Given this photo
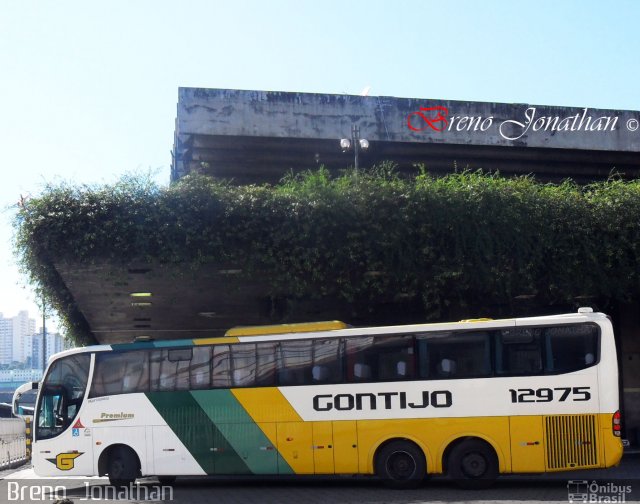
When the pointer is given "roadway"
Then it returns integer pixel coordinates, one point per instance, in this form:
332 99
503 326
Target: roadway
621 483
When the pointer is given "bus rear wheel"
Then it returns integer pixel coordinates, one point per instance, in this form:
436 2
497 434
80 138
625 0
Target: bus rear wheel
400 464
473 464
123 467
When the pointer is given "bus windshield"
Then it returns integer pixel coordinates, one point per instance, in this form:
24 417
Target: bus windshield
61 395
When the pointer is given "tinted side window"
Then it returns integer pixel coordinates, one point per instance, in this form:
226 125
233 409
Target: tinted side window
519 351
169 370
295 361
386 358
266 364
304 362
220 366
243 365
570 348
455 355
120 373
200 368
327 361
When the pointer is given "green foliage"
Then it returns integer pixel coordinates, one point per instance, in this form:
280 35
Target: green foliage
362 237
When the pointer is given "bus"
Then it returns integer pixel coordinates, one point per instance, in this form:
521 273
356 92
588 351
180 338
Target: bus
472 399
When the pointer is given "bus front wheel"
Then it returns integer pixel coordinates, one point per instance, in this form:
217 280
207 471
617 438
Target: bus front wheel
400 464
473 464
123 467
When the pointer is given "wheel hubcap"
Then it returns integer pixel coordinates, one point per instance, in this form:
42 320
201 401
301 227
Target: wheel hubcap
401 466
474 465
117 468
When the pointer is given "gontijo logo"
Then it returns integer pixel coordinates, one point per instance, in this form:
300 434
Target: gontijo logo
65 461
381 400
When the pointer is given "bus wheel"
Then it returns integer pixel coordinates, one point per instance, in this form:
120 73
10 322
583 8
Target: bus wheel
123 467
473 464
400 464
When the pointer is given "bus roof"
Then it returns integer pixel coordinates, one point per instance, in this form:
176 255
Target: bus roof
303 327
336 329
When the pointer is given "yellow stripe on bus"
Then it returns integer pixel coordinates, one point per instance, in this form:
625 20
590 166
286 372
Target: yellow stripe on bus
214 341
281 424
330 325
266 405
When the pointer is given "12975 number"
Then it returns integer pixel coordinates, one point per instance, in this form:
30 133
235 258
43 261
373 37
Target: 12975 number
560 394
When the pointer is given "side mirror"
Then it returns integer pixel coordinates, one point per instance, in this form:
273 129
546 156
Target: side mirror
23 402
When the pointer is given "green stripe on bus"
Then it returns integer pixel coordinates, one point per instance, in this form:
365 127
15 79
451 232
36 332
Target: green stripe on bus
241 431
198 433
173 343
150 345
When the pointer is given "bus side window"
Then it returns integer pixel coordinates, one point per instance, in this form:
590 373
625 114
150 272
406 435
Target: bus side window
170 369
386 358
423 357
108 375
295 362
253 365
455 354
570 348
361 372
396 358
200 368
137 372
120 373
327 361
358 365
518 351
220 366
266 364
243 365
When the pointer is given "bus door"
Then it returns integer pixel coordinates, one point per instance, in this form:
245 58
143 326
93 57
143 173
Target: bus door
345 447
319 447
62 444
71 451
323 448
527 444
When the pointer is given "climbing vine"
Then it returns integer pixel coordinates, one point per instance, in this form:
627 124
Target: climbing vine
361 237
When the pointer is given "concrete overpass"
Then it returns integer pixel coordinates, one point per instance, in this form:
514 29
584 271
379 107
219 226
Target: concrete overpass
257 136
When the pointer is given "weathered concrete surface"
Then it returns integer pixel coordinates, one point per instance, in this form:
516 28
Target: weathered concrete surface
251 134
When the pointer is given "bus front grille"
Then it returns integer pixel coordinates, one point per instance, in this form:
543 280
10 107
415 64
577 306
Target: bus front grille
571 441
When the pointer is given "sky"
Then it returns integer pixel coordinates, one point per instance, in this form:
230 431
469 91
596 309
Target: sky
88 90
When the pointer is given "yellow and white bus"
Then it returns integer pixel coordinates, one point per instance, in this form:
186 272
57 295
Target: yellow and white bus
473 399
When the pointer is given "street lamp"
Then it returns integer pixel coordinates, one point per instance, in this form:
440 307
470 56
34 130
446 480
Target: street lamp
355 142
44 334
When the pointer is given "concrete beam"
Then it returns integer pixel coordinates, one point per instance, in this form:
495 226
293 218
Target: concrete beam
223 112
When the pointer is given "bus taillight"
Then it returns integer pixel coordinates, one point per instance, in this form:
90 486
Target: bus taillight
616 421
